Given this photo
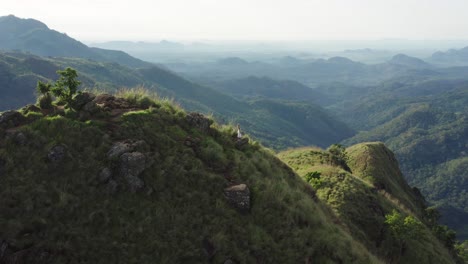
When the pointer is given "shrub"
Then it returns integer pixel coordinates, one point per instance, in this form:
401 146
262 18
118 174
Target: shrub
45 100
67 85
313 178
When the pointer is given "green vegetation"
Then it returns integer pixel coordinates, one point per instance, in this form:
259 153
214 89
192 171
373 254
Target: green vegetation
373 202
57 207
404 228
64 88
428 132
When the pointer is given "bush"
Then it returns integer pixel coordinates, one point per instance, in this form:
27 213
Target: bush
45 101
313 178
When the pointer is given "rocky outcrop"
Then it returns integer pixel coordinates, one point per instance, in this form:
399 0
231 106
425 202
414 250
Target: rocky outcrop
11 118
121 147
57 154
130 167
199 121
109 102
129 163
81 99
238 196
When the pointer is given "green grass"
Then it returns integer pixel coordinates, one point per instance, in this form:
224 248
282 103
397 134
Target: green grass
63 210
362 207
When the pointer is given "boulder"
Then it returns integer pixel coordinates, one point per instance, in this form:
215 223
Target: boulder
81 100
103 98
199 121
131 165
109 102
11 118
57 153
238 196
121 147
91 107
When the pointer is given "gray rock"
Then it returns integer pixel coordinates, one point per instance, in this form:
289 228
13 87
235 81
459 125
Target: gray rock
119 148
91 107
199 121
11 117
109 102
130 167
81 100
57 153
105 175
20 138
229 262
103 98
238 196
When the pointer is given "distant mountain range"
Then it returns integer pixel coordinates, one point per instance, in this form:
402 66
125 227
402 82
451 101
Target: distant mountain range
30 35
309 72
451 57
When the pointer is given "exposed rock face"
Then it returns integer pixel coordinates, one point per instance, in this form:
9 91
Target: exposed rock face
129 163
130 167
81 100
122 147
199 121
238 196
109 102
11 117
57 153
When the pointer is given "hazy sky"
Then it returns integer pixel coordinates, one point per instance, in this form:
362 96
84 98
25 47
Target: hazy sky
287 20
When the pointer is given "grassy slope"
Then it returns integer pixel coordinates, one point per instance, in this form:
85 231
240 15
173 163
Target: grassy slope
360 202
61 214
